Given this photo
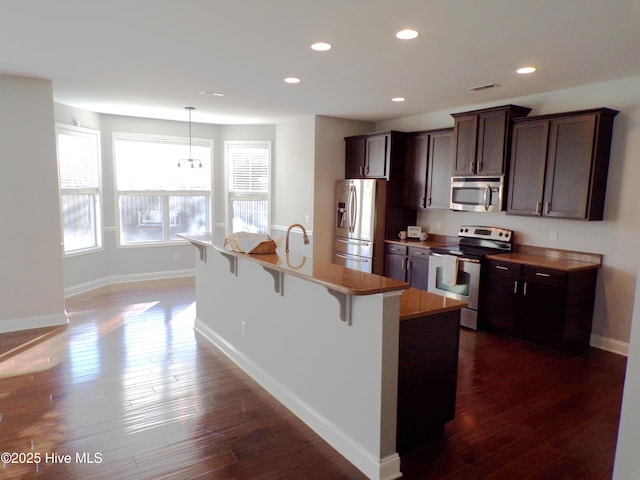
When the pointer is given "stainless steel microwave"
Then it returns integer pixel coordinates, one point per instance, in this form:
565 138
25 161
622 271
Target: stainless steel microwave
477 194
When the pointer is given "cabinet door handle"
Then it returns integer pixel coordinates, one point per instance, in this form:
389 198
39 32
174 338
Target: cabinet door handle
429 202
409 264
524 288
500 267
542 274
515 287
423 202
538 207
366 170
547 208
471 167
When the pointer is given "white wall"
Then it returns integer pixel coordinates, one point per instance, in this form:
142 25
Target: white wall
328 168
293 172
30 247
616 237
627 465
310 158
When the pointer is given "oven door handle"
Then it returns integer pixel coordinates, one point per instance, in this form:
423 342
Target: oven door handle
460 259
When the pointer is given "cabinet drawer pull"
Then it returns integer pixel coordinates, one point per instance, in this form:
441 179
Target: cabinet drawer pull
500 267
418 253
394 249
542 274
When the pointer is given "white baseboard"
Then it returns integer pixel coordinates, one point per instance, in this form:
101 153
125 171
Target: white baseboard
387 468
136 277
610 345
39 321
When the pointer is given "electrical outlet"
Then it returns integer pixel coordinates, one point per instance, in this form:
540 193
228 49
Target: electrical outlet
438 225
553 236
176 257
243 327
307 218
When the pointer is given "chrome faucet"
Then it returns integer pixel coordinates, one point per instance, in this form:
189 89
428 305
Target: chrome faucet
305 238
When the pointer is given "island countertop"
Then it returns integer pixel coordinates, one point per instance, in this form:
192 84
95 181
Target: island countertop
415 303
333 277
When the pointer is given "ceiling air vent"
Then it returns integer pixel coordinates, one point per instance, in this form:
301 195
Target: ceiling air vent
484 87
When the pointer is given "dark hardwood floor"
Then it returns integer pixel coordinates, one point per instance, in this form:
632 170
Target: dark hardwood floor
128 391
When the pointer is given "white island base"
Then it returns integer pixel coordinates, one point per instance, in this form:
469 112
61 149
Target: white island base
320 338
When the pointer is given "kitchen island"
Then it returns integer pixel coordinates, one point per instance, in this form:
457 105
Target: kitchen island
327 342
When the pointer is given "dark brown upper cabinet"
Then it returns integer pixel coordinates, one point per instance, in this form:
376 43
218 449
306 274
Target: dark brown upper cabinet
428 169
375 155
559 164
482 138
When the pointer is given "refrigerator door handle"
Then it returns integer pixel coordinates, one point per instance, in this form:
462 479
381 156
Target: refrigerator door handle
353 208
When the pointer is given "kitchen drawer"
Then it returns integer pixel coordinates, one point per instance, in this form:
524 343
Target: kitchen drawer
418 252
545 275
395 249
505 268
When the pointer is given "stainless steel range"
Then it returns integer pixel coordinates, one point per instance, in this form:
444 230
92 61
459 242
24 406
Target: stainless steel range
454 271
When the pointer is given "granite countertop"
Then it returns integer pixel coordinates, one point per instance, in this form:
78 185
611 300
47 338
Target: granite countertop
333 277
543 261
416 303
565 260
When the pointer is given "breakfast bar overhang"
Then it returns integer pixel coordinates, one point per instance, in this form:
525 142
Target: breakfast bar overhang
325 341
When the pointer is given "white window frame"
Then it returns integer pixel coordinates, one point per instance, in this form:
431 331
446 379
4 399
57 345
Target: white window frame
164 194
230 196
95 191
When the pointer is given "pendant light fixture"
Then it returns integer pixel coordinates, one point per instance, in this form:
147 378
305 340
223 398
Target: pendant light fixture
190 159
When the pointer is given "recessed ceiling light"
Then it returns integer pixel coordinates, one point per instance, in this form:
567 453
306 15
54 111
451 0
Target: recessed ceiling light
292 80
525 70
321 46
407 34
398 99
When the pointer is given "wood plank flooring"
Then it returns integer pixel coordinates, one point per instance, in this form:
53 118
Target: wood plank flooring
128 391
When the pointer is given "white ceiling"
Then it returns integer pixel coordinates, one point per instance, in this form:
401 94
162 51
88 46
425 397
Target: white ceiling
151 58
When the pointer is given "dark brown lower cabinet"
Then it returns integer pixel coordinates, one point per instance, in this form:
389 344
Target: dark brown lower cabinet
407 264
427 378
547 307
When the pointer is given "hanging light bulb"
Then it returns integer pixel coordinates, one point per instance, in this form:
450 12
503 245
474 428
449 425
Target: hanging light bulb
190 159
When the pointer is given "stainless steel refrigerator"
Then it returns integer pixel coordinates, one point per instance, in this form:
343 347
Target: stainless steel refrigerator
360 207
